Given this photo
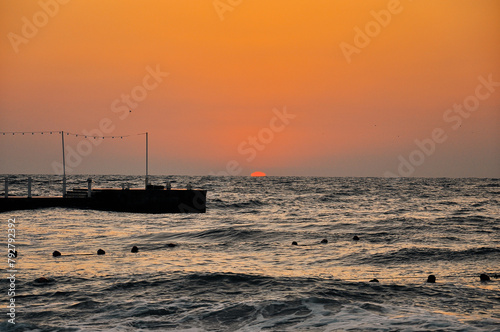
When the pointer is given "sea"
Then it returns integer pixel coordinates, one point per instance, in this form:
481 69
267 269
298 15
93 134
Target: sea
234 268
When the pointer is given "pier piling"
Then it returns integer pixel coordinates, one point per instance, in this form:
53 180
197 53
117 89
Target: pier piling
29 186
89 187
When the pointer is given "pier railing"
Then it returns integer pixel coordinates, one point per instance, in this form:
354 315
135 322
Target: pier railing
76 192
29 192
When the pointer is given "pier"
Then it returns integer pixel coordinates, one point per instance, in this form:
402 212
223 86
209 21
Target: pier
152 199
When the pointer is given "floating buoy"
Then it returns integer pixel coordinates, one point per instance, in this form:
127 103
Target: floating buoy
355 238
324 241
56 253
101 252
294 243
431 279
171 245
42 280
374 280
134 249
484 277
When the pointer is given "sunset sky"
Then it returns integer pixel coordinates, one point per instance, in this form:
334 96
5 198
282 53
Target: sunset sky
286 87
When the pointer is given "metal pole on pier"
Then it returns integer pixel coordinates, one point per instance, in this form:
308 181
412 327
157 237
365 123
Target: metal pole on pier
147 170
29 186
64 165
89 187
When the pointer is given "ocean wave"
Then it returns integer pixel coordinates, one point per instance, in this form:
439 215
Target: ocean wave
247 302
490 185
454 219
85 304
229 279
221 204
425 254
228 233
247 204
449 203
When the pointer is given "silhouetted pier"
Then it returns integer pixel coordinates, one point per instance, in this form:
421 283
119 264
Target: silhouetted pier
152 199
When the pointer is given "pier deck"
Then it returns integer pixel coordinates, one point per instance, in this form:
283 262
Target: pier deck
122 200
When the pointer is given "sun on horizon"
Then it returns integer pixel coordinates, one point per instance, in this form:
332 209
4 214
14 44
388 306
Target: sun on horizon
258 174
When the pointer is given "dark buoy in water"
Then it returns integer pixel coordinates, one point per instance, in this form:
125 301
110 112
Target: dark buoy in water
484 277
374 280
171 245
324 241
355 238
294 243
101 252
42 280
431 279
134 249
56 253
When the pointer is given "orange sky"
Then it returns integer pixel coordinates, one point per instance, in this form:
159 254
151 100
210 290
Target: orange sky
233 68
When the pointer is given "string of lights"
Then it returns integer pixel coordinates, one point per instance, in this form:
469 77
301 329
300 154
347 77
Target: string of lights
86 136
5 133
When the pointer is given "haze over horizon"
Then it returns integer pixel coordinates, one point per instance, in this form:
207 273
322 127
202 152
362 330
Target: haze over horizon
311 88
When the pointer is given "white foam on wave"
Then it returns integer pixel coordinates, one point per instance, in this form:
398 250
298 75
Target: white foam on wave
360 316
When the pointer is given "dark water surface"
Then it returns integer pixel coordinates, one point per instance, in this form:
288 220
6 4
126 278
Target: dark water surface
234 268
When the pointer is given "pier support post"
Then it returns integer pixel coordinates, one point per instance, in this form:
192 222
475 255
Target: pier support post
6 187
89 186
64 165
64 186
147 166
29 186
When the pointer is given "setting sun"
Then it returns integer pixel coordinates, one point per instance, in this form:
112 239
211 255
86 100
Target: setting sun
257 174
